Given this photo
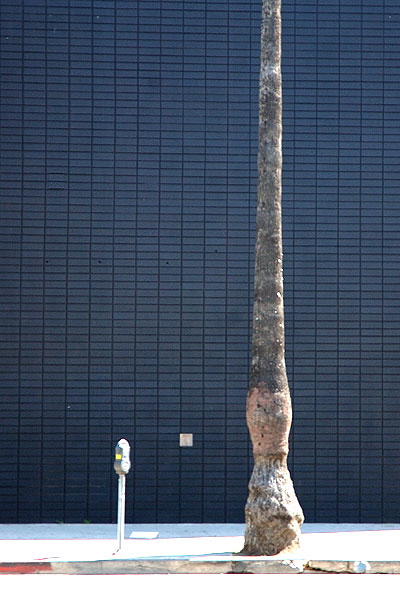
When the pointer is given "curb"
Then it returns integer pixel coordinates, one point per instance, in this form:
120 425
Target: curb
200 565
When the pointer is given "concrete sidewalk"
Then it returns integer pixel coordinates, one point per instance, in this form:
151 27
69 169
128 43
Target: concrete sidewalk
192 548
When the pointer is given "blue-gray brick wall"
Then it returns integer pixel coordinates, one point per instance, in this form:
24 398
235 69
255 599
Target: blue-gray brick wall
128 156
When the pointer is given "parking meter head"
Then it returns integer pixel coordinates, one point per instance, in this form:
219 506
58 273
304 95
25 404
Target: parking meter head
122 462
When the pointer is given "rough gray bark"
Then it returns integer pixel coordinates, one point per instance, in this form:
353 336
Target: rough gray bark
273 514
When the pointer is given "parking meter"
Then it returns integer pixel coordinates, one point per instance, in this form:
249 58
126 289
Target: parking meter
122 465
122 462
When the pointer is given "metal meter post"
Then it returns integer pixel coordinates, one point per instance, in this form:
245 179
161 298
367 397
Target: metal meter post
122 465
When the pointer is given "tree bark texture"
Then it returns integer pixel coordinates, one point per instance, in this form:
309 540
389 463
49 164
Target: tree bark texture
273 514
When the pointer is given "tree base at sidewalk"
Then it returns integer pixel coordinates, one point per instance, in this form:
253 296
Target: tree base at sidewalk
273 514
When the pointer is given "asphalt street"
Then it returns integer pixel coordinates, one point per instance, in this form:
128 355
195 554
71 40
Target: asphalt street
202 589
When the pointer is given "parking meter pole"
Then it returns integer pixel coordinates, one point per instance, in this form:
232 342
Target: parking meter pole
121 510
122 465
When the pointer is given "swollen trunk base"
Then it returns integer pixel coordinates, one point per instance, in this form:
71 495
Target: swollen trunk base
273 514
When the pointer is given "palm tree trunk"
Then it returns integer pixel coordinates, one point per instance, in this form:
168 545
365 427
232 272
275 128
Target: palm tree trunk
273 514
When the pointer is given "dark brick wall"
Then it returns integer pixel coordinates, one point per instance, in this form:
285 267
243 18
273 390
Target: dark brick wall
342 218
129 141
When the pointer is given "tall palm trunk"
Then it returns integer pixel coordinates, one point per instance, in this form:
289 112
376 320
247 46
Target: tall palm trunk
273 514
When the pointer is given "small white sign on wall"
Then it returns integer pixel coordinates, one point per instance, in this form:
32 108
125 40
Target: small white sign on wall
185 439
